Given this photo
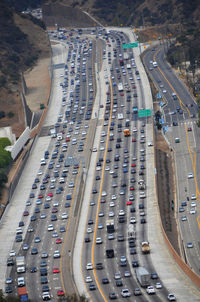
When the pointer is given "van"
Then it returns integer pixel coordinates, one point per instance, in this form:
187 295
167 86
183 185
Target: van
21 281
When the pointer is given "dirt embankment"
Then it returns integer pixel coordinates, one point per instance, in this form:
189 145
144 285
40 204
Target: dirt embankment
166 189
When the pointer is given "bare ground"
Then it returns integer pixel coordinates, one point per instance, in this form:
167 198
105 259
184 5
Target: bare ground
38 84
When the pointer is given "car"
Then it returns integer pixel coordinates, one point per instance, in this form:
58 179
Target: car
193 204
34 251
193 197
56 270
127 274
133 251
112 296
25 247
9 280
58 241
64 216
190 175
135 263
105 280
111 236
137 292
189 129
158 285
44 255
171 297
33 269
132 220
183 218
98 240
89 266
154 275
89 230
56 254
8 290
26 213
117 276
88 279
150 290
189 245
12 253
193 211
44 280
37 239
92 287
125 293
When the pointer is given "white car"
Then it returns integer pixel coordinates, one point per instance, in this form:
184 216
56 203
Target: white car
94 149
107 168
88 279
121 213
125 292
190 175
150 290
103 193
158 285
56 254
171 297
113 197
102 148
112 204
132 220
98 240
193 197
50 227
193 211
64 216
111 214
193 204
150 144
89 230
89 266
117 276
12 253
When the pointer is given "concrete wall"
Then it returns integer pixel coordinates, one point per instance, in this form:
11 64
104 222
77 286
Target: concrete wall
20 143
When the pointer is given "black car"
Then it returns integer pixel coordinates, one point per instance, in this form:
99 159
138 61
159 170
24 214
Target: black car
135 263
33 269
8 290
45 288
43 271
92 287
99 265
119 282
44 280
10 262
105 280
154 276
87 239
34 251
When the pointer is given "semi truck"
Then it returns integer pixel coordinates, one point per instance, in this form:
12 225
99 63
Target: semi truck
20 264
145 247
126 56
142 276
128 66
110 226
22 293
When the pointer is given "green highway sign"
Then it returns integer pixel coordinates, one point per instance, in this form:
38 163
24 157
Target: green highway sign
144 112
130 45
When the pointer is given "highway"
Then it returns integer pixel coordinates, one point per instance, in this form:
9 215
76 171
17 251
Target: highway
89 149
179 121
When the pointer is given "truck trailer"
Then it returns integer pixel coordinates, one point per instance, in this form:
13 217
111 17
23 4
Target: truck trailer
110 226
143 276
22 293
20 264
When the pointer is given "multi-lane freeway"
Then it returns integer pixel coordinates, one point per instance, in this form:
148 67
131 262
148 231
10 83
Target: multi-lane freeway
94 164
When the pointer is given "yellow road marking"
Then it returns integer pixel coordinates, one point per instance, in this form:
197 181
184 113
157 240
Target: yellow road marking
66 233
99 200
198 221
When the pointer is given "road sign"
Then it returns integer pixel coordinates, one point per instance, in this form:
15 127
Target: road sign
130 45
144 112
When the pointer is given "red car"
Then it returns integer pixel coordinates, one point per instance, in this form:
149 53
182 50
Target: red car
103 200
56 270
107 92
133 165
54 210
50 194
121 94
58 240
129 203
67 139
132 188
133 140
60 293
26 213
40 196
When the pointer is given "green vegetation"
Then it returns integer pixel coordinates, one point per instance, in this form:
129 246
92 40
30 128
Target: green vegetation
5 156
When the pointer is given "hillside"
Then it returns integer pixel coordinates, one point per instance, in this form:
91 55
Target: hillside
22 42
